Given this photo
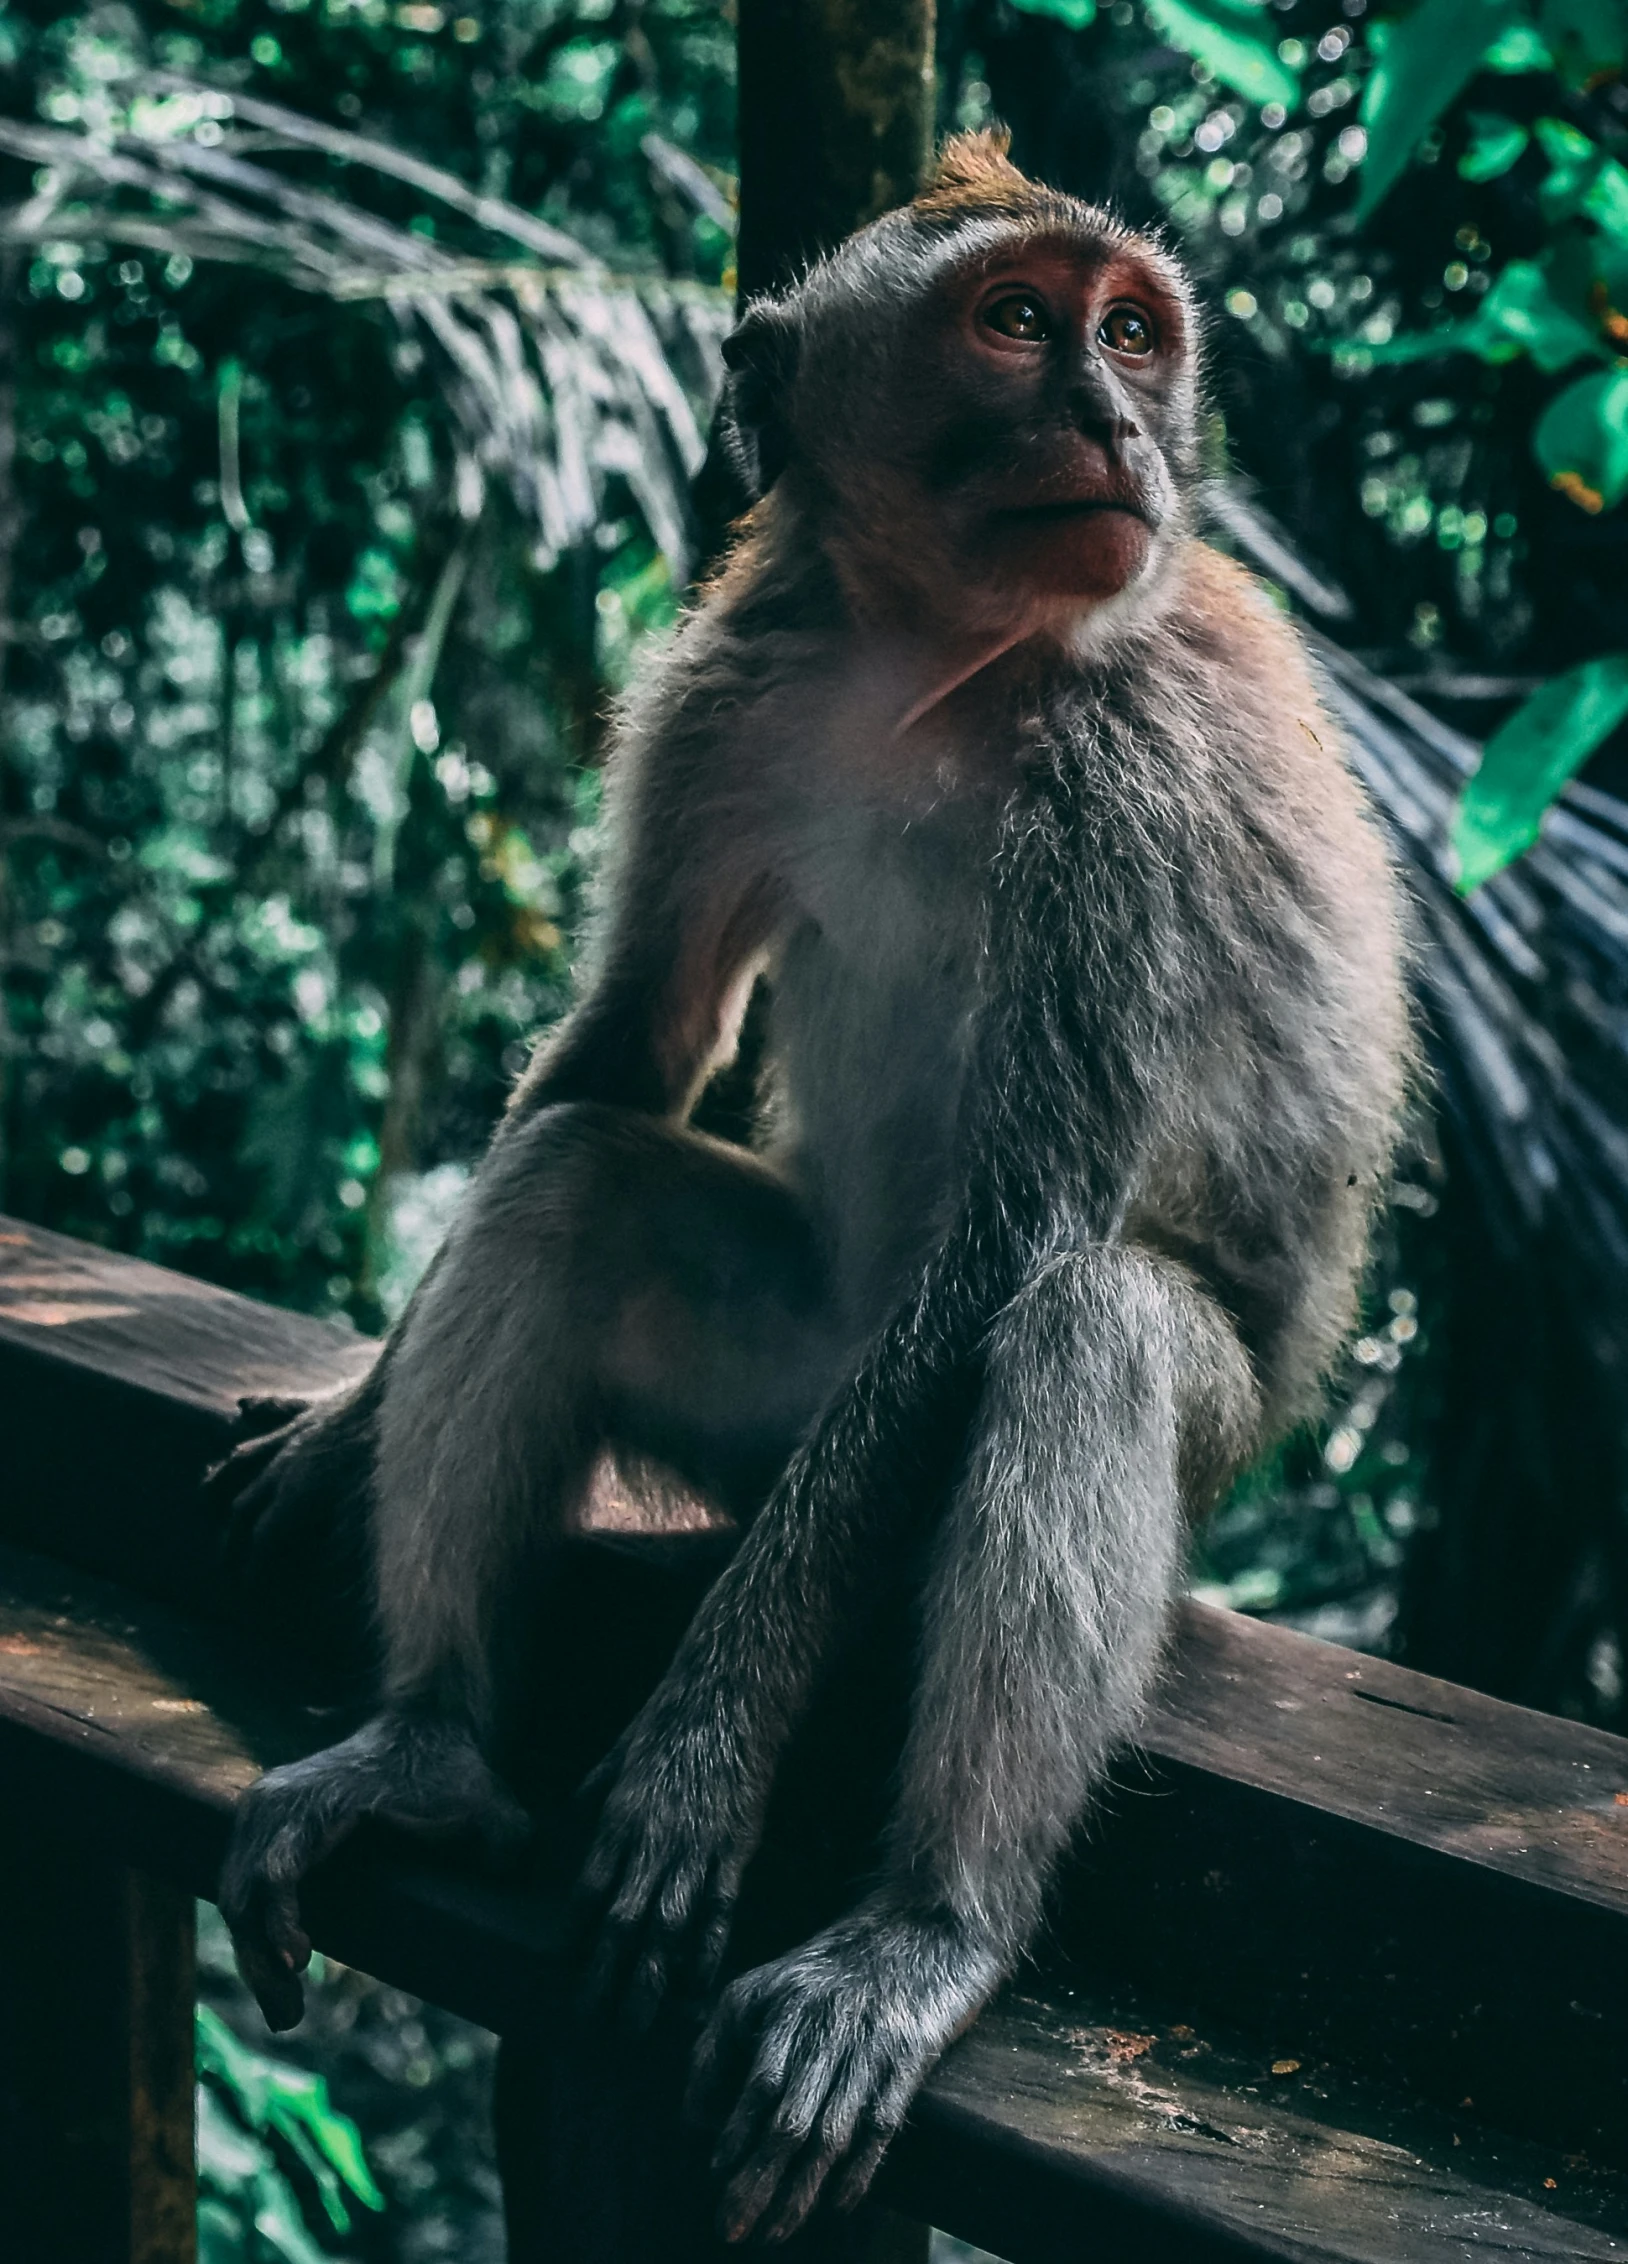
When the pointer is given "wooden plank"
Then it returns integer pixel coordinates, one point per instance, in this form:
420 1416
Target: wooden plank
1352 1863
119 1384
1063 2119
1380 1867
96 2081
1069 2117
1054 2116
1525 1794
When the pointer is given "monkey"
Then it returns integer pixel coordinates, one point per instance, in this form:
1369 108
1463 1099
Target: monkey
1087 1048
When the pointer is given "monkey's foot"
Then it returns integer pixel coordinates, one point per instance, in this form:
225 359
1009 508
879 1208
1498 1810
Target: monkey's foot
679 1823
822 2052
419 1773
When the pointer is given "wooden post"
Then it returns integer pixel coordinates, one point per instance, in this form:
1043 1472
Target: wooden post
96 2062
836 124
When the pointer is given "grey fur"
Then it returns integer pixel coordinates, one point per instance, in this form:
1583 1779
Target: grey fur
1087 1051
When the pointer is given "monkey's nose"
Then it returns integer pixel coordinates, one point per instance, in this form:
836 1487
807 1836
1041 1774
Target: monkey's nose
1112 434
1097 418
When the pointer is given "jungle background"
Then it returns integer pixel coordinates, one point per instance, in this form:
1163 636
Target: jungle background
356 361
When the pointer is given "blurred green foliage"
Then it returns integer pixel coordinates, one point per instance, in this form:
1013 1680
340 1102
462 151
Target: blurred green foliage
248 2212
296 733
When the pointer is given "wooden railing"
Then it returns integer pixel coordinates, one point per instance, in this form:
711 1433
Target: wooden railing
1341 1971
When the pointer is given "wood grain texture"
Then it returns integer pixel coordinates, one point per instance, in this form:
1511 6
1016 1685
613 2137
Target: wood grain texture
160 1333
1317 1857
1068 2117
1526 1794
1184 2147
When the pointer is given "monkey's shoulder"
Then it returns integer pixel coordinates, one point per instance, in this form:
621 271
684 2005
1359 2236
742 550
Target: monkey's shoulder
1225 616
1232 678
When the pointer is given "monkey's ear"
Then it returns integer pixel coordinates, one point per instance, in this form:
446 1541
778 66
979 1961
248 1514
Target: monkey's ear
760 355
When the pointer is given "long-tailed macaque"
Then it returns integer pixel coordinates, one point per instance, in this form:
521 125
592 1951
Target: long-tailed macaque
1086 1050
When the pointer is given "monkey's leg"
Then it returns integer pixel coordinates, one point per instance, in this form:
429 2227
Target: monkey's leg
1110 1378
610 1277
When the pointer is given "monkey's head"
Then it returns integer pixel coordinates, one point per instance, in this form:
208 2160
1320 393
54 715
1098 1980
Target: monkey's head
986 403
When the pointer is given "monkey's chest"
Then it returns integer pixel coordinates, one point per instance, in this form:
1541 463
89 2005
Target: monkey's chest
874 1001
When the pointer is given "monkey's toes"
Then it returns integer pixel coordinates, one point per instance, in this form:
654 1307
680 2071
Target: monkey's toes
793 2134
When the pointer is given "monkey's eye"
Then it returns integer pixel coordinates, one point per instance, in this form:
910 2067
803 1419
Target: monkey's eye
1019 315
1126 330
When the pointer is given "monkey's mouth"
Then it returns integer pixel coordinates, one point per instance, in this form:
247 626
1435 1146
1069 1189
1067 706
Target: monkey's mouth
1078 507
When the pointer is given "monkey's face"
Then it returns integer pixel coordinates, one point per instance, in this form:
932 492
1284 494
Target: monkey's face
988 416
1060 371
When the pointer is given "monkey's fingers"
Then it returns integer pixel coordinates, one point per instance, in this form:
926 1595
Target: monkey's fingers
863 2108
272 1952
641 1936
284 1828
246 1491
876 2133
721 2062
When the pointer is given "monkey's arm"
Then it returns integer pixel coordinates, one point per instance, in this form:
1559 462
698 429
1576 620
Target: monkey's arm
1042 1620
694 907
467 1424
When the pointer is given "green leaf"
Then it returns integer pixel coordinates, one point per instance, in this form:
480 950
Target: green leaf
1075 13
1583 182
1495 145
1222 34
1517 49
1522 309
1587 38
1528 761
1582 440
270 2095
1429 57
1520 314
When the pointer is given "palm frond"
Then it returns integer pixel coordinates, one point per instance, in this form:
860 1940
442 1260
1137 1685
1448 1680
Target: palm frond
562 378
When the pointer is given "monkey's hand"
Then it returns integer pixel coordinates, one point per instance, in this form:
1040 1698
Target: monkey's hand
821 2053
300 1468
423 1774
679 1823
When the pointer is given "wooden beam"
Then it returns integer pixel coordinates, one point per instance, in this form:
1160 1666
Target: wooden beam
836 124
96 2075
1401 1895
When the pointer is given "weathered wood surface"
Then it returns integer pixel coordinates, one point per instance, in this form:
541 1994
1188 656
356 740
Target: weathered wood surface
1070 2117
1342 1863
119 1384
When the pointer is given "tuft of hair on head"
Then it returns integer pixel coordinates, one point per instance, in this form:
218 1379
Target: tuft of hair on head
975 174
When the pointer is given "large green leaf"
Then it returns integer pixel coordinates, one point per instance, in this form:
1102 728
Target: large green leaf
1426 61
1236 39
1582 440
1528 761
1075 13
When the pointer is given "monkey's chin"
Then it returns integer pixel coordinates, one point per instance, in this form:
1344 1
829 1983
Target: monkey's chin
1082 555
